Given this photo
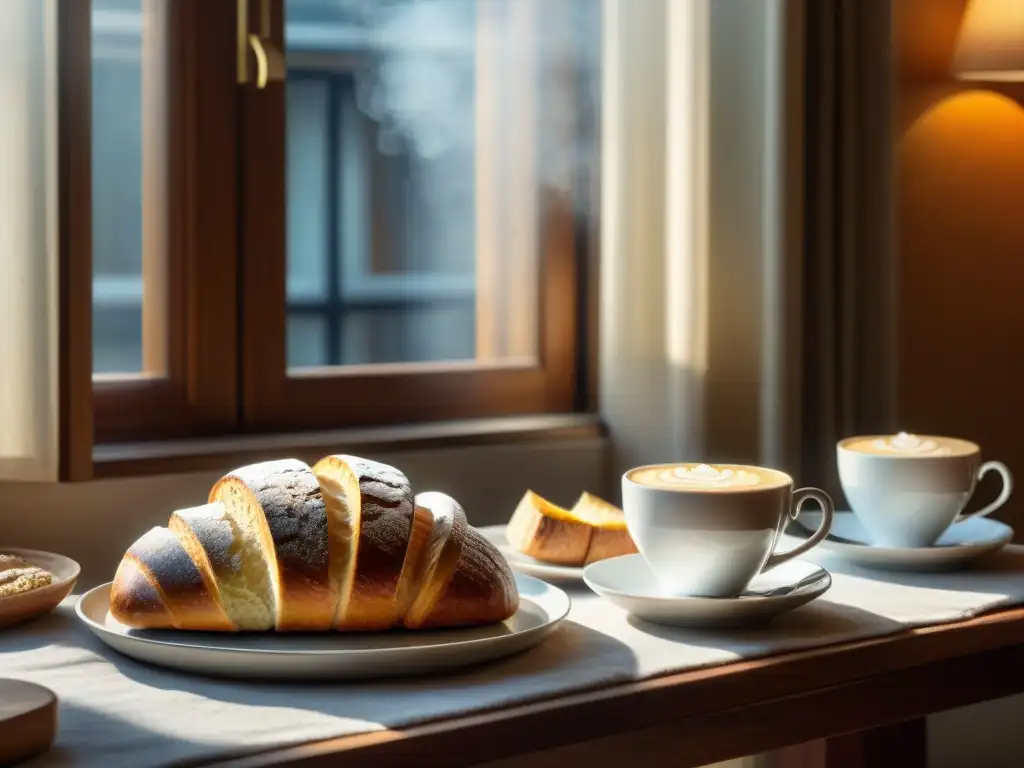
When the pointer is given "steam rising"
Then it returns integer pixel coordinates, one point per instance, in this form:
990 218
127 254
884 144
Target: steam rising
420 85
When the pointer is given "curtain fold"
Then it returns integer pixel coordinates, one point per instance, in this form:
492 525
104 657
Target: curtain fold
652 345
691 253
28 280
747 266
849 258
689 243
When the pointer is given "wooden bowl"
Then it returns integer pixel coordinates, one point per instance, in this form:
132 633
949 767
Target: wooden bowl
28 720
18 608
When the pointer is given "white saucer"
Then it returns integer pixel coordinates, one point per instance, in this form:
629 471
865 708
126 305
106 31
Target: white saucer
627 582
520 562
958 546
331 655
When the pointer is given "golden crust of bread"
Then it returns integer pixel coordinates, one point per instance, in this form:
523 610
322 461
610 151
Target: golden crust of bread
545 531
610 537
209 525
592 530
385 529
609 543
440 549
168 570
339 487
425 543
346 543
135 600
295 537
481 589
213 534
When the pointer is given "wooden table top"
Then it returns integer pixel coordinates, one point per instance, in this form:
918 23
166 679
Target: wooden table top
707 715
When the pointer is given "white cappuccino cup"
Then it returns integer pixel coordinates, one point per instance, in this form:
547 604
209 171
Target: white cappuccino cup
707 530
906 490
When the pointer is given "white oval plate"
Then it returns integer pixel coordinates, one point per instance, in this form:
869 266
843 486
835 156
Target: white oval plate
335 655
628 582
957 547
520 562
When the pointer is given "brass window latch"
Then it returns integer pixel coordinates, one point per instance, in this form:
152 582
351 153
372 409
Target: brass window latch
270 64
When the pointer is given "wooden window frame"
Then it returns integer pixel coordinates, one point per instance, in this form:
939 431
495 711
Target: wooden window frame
74 240
219 200
194 215
360 396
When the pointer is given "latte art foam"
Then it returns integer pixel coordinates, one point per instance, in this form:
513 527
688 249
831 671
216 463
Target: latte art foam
699 477
904 444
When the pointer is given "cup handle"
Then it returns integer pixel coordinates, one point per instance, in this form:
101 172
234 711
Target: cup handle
799 497
1004 472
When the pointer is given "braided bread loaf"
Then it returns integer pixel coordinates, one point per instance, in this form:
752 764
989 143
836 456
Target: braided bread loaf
342 545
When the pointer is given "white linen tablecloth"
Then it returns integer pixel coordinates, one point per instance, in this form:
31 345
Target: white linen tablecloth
118 712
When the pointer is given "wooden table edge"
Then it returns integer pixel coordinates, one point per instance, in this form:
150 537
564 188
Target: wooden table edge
670 700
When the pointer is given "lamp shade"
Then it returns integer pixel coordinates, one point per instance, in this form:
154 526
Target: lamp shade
991 41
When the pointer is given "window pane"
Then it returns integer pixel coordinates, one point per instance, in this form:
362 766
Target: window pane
308 219
128 159
409 334
307 340
415 176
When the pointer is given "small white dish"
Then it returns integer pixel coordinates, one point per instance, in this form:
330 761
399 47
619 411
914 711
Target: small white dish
523 564
331 655
629 583
961 543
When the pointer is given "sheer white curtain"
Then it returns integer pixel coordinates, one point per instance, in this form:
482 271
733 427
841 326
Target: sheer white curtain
653 355
700 290
28 285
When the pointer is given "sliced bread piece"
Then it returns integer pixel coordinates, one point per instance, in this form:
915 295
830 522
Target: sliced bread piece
431 529
466 580
339 487
278 512
592 530
376 501
548 532
610 537
216 546
135 599
435 554
158 564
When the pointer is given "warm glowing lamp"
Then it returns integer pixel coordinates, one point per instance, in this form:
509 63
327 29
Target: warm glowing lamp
991 42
